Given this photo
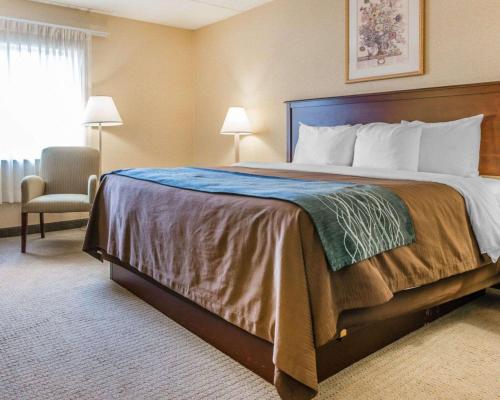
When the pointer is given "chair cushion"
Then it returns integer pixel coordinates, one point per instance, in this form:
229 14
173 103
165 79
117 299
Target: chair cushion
58 203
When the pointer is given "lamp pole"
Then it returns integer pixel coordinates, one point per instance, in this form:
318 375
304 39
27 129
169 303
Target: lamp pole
100 149
237 148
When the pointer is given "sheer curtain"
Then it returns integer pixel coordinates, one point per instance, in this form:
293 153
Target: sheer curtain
43 88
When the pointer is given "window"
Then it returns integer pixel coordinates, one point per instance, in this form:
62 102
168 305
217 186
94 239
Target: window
43 82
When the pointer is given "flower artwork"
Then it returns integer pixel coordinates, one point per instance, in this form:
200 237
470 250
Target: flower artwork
382 31
384 39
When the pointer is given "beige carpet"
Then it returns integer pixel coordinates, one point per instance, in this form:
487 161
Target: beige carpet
68 332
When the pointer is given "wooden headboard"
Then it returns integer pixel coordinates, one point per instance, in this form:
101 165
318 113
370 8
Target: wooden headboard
430 105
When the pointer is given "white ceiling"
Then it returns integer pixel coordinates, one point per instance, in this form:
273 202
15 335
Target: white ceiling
189 14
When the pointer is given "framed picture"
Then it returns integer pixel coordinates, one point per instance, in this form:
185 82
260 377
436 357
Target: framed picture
384 39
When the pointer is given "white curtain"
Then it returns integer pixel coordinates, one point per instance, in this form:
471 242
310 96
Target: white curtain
43 89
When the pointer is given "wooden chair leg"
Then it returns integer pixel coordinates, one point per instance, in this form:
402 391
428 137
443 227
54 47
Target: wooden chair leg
42 226
24 231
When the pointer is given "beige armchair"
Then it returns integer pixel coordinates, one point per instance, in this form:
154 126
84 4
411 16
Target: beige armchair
67 183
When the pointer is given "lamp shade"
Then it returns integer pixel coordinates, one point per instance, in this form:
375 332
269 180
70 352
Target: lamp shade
236 122
101 110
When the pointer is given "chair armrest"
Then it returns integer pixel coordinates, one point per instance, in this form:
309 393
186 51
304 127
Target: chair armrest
92 188
31 186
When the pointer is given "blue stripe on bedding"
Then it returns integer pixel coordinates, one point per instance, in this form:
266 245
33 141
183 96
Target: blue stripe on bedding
354 222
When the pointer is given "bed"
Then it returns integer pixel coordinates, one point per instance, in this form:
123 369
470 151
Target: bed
249 275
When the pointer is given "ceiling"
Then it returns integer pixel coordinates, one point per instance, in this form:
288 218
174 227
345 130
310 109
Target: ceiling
189 14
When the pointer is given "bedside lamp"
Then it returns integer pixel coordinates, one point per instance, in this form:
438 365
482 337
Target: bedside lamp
236 123
101 111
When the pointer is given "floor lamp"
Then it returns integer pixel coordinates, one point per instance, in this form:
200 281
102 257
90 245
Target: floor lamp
236 123
101 111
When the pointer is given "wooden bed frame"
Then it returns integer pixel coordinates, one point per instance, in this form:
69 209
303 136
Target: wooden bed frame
255 353
434 104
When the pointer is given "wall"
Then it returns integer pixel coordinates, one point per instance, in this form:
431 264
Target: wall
173 86
293 49
148 69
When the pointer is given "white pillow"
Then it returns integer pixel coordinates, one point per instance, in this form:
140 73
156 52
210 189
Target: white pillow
325 145
388 146
451 147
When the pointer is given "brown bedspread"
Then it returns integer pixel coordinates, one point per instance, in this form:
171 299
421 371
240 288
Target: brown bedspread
258 263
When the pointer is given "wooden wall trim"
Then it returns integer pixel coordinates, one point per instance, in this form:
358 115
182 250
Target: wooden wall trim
49 227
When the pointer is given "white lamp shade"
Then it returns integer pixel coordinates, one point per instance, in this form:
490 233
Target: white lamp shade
236 122
101 110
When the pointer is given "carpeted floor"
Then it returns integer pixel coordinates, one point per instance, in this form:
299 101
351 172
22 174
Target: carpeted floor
68 332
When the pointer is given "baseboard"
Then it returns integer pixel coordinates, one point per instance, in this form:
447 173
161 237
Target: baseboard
49 227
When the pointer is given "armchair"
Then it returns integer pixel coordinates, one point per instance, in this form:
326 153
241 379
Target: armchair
67 183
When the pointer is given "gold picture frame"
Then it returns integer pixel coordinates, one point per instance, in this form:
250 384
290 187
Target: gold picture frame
405 45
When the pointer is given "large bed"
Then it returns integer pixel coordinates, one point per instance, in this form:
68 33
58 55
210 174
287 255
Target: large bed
249 275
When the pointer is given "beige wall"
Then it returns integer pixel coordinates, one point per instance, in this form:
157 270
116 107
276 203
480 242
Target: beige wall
293 49
148 69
